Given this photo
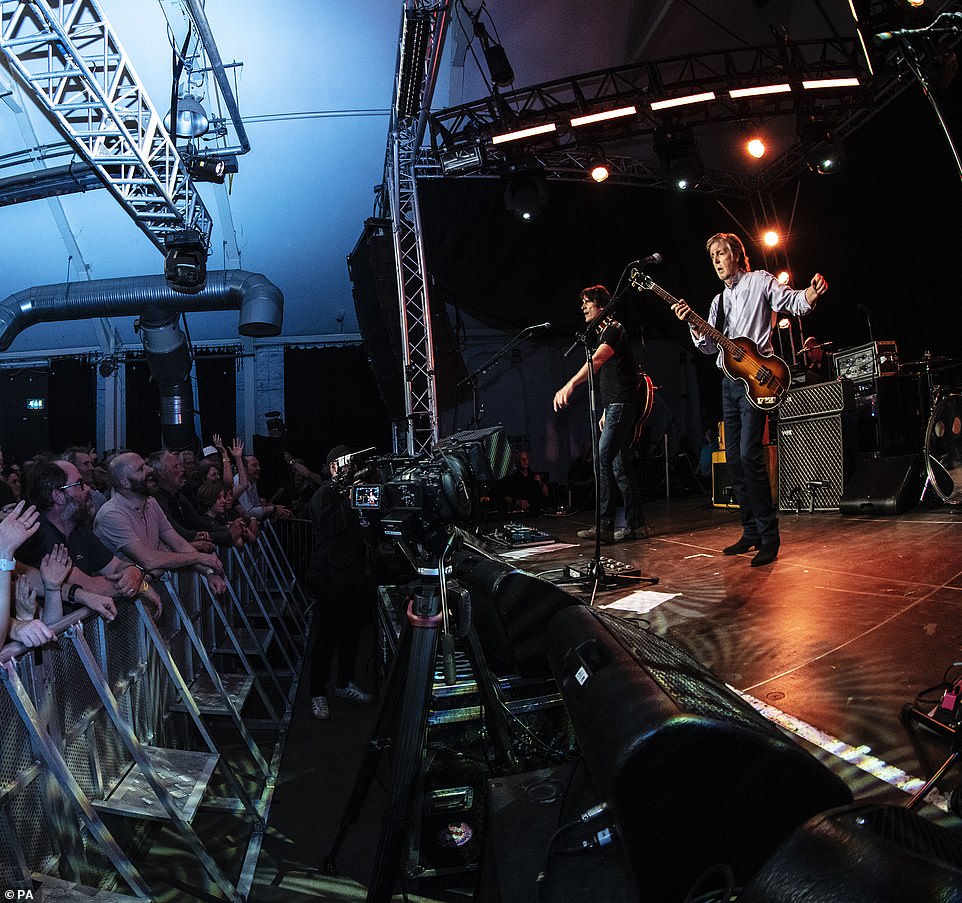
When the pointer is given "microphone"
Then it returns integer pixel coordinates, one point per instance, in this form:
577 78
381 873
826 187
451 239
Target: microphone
651 258
539 326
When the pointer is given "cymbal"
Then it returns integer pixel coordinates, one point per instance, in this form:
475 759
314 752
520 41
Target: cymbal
930 360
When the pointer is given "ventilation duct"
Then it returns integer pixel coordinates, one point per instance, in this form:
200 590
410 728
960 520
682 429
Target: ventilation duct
260 302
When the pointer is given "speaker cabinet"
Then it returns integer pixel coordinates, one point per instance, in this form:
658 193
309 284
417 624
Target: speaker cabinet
693 776
816 457
722 492
883 486
863 854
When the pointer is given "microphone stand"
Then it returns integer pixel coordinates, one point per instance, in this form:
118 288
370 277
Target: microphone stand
472 378
596 568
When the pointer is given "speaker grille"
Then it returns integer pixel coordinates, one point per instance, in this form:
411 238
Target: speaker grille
814 462
818 400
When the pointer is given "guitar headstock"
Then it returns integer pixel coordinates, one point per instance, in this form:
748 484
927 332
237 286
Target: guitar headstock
639 280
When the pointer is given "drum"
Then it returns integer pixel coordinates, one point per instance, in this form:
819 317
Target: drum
943 448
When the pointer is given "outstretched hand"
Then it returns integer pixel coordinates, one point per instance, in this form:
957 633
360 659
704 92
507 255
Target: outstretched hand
17 527
55 566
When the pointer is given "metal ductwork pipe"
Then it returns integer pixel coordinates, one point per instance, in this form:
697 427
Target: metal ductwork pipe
260 302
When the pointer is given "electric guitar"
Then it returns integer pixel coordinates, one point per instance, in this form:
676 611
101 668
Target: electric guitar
766 377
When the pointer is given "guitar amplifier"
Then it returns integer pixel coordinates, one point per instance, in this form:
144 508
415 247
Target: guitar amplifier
868 361
816 458
817 400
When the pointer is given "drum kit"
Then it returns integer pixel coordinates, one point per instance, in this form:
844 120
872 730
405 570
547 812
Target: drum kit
943 434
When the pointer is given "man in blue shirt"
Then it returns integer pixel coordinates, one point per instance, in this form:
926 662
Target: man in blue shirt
744 308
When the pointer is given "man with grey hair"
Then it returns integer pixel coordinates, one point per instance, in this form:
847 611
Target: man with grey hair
135 527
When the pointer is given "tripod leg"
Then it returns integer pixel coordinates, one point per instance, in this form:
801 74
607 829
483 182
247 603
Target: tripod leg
408 748
494 707
376 744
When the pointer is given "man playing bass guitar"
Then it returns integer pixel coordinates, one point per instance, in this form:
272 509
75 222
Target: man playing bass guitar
744 308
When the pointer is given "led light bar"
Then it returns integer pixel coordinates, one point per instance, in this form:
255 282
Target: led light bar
761 90
603 117
524 133
830 83
681 101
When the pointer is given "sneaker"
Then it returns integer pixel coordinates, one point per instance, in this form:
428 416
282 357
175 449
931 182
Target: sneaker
607 534
627 534
353 691
319 708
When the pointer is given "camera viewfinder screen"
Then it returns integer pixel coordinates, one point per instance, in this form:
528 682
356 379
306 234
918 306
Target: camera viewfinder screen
367 496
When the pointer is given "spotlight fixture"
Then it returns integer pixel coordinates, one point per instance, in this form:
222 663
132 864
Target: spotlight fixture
681 164
598 166
185 265
192 118
207 169
756 147
502 75
783 277
771 238
525 188
820 144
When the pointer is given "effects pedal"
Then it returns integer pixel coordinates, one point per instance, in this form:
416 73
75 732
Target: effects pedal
613 569
519 536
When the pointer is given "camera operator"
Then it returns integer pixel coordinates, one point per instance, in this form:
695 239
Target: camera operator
341 581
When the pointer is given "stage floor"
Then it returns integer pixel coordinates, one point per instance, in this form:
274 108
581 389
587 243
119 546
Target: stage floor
858 616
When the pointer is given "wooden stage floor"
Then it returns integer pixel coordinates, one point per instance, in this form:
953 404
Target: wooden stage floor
858 615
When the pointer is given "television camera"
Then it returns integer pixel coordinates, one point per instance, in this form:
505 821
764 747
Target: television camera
418 498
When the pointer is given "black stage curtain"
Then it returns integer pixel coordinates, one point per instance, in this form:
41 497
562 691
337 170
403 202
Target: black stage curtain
23 430
330 398
72 403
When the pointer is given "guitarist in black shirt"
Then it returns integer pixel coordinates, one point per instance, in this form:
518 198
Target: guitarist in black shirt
614 363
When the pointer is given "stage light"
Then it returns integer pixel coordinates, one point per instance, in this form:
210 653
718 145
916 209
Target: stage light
682 101
784 323
916 3
756 147
771 238
603 117
784 277
681 164
185 266
820 144
598 166
192 118
207 169
811 84
759 91
525 188
520 134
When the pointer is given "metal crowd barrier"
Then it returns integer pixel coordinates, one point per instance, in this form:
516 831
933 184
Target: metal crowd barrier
128 719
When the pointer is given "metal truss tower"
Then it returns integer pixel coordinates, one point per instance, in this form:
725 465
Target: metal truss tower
68 56
419 54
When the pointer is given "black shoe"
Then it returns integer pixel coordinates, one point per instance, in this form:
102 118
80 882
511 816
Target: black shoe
745 544
767 553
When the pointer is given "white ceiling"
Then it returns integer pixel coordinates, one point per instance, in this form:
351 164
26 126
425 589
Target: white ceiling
315 91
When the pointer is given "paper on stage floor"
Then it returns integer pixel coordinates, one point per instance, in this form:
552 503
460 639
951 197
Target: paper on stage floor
531 551
640 601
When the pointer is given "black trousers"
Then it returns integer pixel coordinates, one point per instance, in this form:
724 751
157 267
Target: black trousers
341 612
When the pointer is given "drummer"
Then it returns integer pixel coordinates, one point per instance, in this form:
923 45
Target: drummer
818 364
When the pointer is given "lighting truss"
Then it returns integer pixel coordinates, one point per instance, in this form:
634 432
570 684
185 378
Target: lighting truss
415 77
69 58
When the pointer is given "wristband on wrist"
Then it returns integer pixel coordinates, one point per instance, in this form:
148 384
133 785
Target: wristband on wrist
72 592
7 564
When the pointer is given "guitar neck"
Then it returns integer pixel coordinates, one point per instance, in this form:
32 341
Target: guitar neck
700 323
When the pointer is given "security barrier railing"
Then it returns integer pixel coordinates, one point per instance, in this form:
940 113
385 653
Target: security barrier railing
128 719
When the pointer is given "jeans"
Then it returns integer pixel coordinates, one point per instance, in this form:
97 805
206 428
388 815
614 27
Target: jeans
619 426
744 431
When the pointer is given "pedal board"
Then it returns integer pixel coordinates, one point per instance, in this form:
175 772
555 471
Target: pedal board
519 536
613 569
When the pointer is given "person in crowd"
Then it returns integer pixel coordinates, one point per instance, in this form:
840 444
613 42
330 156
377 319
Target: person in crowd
744 309
85 461
818 364
135 527
216 502
297 495
614 364
340 580
16 528
524 490
249 499
97 577
12 477
180 510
